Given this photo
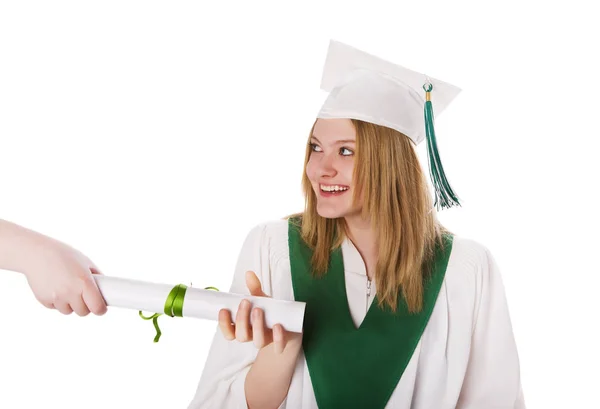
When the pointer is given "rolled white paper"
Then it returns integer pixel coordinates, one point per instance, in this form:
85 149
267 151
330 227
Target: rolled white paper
198 303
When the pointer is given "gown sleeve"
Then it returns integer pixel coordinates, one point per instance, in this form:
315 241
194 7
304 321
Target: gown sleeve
492 379
221 384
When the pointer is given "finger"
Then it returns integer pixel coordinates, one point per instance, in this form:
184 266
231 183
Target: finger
253 284
79 307
92 297
278 338
47 304
260 334
226 325
242 318
94 269
63 307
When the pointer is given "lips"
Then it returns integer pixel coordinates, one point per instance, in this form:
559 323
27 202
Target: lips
329 194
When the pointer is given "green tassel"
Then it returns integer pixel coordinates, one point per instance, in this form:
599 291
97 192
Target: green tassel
444 194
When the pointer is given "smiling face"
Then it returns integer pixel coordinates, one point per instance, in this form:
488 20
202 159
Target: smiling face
331 165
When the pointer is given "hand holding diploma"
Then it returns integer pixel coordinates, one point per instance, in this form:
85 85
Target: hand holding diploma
278 349
250 323
60 276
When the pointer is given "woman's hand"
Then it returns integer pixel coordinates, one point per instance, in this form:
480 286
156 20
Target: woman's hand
268 380
250 325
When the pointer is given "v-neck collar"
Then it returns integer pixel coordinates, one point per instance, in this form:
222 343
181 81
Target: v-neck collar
350 261
354 262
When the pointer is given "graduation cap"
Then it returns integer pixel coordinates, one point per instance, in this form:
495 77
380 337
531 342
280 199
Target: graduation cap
365 87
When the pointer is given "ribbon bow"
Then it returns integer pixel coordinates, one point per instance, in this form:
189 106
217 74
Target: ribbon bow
173 306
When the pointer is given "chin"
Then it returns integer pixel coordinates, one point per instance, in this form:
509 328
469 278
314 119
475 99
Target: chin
331 213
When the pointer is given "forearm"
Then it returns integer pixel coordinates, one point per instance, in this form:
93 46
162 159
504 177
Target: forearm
18 246
268 381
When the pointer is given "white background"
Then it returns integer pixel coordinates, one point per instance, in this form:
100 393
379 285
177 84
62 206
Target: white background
153 135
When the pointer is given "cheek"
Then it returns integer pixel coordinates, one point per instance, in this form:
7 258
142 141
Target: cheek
310 169
347 169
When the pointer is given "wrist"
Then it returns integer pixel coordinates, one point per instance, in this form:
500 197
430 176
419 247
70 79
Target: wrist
21 248
268 381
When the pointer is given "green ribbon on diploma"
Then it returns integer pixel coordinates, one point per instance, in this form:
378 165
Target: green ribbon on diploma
173 306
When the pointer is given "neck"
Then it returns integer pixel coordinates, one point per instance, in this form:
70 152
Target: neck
362 235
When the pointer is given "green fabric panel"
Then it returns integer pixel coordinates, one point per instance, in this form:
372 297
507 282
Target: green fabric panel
355 367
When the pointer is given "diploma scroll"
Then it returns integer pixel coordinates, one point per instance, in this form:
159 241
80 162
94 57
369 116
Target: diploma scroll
198 303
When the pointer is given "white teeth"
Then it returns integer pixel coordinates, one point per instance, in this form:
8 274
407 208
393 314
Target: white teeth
334 188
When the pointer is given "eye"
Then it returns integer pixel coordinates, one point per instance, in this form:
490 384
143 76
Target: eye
315 148
346 152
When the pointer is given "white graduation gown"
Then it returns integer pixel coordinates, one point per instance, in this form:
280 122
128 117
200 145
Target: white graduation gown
466 358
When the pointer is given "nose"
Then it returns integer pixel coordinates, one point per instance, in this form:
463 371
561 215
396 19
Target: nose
326 166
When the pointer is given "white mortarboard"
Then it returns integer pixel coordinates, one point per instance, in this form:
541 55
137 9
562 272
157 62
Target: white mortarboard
365 87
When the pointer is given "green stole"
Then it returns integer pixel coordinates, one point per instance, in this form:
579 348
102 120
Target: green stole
355 367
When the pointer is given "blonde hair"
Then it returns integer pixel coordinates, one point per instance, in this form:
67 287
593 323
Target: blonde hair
396 198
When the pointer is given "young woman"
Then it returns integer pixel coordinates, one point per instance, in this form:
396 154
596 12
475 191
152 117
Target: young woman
400 313
59 276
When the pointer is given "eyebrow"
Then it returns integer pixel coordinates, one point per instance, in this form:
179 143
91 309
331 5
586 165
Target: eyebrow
340 141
